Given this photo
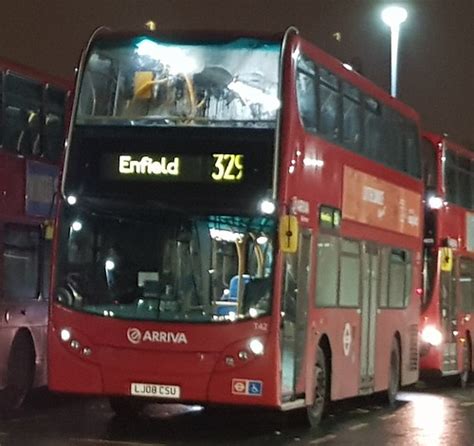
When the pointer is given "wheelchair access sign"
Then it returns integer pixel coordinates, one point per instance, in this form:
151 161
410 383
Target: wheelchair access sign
247 387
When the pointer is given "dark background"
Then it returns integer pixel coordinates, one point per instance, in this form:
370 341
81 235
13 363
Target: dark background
436 58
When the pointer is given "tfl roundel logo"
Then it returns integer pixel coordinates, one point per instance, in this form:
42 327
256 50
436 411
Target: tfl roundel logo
134 335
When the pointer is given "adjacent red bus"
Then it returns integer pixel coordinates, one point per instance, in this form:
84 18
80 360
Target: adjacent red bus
240 224
447 318
31 143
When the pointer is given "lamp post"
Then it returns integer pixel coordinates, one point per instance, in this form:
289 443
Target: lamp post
394 16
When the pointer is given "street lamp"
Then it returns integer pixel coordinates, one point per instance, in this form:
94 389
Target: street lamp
394 16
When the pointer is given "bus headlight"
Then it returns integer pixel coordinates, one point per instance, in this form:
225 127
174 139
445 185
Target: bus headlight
256 347
65 334
432 335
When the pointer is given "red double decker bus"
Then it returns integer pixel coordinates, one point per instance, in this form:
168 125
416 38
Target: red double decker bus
32 116
447 319
240 224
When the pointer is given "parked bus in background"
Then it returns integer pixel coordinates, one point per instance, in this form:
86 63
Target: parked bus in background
240 224
447 318
32 116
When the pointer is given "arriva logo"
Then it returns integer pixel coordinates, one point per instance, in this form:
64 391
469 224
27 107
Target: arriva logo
135 336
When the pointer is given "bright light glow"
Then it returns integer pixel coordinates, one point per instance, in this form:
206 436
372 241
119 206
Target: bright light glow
176 59
435 202
256 346
225 235
232 316
72 200
432 335
76 226
267 207
262 239
252 95
109 265
347 66
429 418
253 312
65 334
394 16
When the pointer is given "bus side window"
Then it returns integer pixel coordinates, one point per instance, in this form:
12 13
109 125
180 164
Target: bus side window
21 263
22 118
306 91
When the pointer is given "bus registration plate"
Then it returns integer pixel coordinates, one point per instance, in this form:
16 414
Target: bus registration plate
155 390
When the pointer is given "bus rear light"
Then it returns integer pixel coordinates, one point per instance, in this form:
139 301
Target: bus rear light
419 291
432 336
65 334
75 344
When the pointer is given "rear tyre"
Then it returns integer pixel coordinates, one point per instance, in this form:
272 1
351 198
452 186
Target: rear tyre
126 407
317 410
20 374
394 374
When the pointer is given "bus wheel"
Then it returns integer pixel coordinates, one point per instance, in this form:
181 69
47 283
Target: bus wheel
316 411
394 374
20 374
126 407
466 366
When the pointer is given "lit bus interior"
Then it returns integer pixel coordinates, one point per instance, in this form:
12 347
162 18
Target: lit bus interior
143 81
174 268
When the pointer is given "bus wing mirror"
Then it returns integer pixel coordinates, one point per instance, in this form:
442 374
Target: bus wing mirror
142 84
446 259
288 234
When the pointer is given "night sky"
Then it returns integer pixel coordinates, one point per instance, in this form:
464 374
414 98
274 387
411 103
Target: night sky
436 59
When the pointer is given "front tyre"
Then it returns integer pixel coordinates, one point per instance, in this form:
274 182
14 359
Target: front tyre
20 374
316 411
394 374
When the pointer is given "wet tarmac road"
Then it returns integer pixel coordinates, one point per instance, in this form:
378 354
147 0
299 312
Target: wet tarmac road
440 415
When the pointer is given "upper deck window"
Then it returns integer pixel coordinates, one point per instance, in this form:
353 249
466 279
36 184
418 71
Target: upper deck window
459 179
144 81
344 114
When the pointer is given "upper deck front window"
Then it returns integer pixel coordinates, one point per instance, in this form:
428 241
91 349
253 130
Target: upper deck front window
144 81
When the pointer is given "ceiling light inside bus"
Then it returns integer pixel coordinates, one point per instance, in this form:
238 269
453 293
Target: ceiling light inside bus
65 334
435 202
262 239
225 235
173 57
256 347
432 335
71 199
267 207
76 226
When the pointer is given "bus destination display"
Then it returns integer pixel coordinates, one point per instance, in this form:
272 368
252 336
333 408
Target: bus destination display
226 168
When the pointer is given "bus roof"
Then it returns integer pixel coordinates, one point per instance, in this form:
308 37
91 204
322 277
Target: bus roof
23 70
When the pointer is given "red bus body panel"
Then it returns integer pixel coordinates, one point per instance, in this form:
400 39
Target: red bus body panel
199 366
450 223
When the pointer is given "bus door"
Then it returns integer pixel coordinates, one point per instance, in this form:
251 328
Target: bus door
370 285
448 309
297 269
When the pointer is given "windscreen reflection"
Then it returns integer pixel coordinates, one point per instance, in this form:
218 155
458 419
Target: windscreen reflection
175 268
145 81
